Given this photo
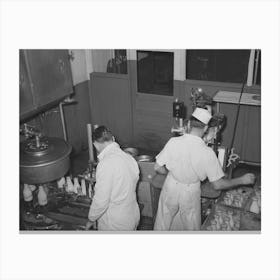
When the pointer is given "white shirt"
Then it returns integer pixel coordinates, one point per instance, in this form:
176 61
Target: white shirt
189 160
114 204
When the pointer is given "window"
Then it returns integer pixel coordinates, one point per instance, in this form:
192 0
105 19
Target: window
155 72
109 61
230 66
118 64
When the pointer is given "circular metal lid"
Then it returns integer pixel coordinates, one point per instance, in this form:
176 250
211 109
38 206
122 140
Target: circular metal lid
47 151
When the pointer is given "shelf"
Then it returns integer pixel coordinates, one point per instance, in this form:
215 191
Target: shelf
233 98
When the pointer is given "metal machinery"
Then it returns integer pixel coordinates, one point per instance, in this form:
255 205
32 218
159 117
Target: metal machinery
51 198
216 125
202 100
179 113
42 159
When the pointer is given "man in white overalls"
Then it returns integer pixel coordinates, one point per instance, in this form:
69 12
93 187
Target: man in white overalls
188 161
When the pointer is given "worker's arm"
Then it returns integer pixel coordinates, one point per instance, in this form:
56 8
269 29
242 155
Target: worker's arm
216 175
223 183
103 189
160 169
163 158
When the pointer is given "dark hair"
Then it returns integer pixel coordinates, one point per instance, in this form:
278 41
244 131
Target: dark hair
196 123
101 134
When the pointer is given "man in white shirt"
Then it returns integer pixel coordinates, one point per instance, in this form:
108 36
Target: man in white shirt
188 161
114 205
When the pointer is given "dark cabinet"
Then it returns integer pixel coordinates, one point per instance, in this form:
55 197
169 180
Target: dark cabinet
26 97
49 78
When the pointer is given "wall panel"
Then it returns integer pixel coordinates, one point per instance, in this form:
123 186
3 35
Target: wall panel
111 104
152 121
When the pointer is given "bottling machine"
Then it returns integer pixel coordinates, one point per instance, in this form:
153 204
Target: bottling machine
51 198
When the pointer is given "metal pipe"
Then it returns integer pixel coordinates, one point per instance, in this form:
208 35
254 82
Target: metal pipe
62 121
250 163
250 68
90 145
256 66
237 115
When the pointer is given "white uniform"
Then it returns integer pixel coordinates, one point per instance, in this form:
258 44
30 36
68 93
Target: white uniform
189 162
114 204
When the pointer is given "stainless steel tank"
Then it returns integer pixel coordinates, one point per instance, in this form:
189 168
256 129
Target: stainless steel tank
43 160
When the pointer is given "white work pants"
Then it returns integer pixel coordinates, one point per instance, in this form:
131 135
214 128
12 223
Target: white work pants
179 206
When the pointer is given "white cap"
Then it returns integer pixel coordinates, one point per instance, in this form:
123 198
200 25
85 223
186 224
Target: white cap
202 115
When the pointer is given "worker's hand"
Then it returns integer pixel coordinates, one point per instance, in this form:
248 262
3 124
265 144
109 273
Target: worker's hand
90 225
248 179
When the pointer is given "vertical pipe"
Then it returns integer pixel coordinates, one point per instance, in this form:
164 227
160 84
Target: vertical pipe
256 66
37 138
251 68
90 146
62 121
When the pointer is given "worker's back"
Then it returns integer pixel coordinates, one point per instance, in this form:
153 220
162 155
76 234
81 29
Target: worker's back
125 172
123 211
185 158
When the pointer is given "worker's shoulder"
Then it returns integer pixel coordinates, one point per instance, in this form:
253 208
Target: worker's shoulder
188 139
175 140
116 159
110 158
208 154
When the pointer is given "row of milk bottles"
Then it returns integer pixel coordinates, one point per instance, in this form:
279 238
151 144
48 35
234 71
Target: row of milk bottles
74 187
68 184
28 195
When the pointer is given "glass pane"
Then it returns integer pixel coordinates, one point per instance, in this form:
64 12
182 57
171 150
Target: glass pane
217 65
109 61
100 59
155 72
118 64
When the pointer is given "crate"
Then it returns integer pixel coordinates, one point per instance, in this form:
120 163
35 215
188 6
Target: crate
243 192
250 221
236 216
250 200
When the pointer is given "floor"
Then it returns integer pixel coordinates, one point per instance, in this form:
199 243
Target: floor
79 164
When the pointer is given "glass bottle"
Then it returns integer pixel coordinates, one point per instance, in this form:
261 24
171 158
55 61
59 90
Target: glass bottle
226 200
76 185
224 227
61 183
28 197
42 196
214 225
230 216
227 222
83 186
259 203
89 190
217 220
70 186
254 206
27 193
